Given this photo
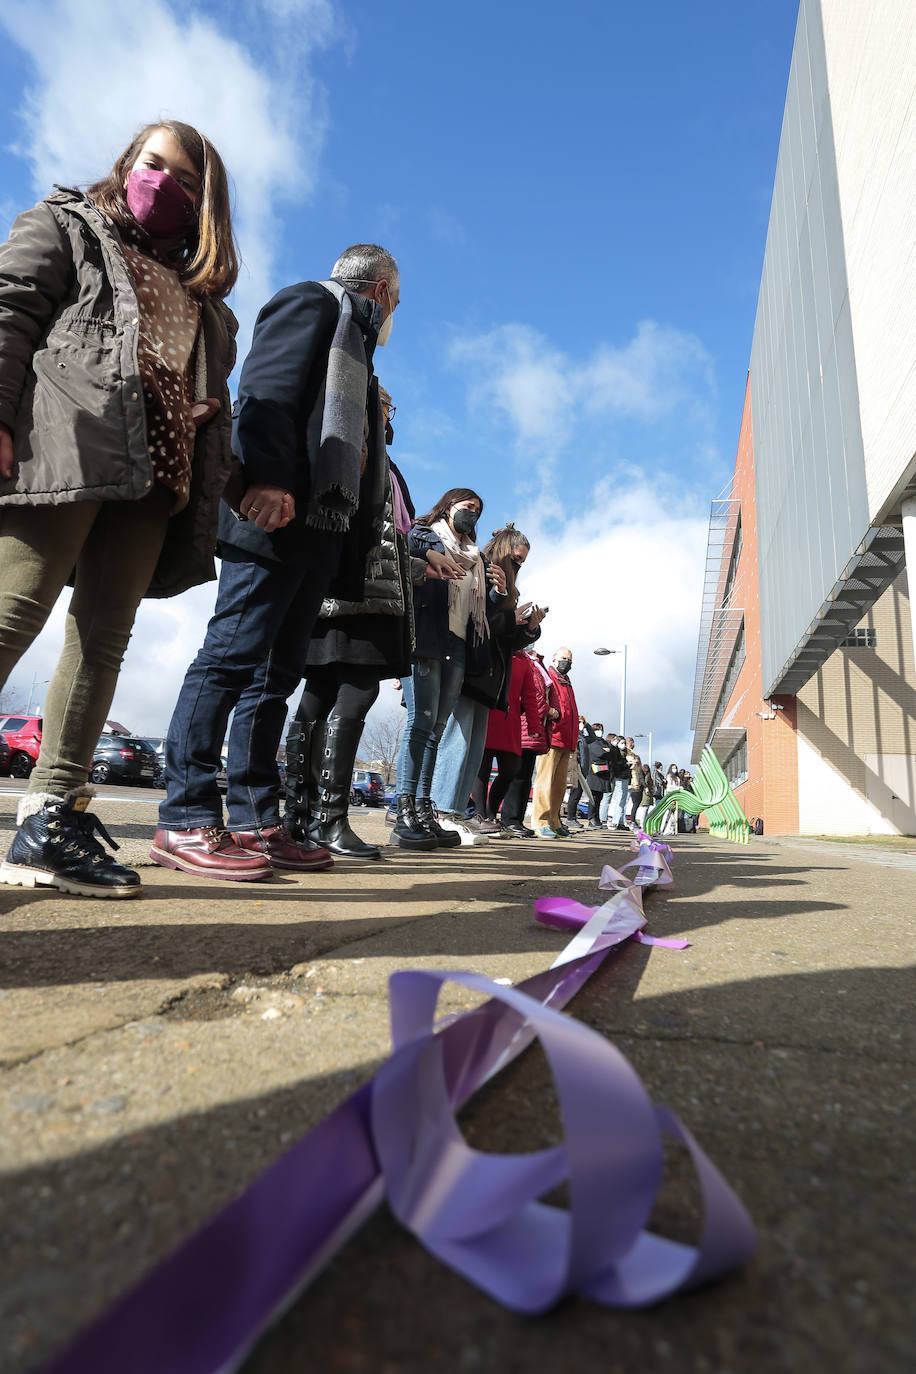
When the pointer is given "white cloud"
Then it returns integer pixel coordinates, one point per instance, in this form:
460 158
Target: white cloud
103 69
625 569
542 392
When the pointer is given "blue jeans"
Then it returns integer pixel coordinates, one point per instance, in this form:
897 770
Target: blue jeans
459 755
430 694
604 805
252 659
619 799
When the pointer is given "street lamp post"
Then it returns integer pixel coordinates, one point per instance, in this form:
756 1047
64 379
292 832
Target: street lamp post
603 653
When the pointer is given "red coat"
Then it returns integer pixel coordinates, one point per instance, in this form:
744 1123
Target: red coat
504 729
564 733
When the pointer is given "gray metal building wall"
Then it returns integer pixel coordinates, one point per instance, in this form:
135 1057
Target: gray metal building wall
811 495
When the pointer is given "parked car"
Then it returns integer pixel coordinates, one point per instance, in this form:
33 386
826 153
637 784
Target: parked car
124 758
367 788
23 735
157 744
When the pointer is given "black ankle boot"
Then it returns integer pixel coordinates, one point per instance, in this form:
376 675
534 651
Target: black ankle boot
428 819
408 833
56 847
329 826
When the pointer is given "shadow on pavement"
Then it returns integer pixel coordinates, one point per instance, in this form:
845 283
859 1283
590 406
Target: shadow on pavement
795 1085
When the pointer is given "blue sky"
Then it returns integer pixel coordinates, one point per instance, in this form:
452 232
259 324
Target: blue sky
578 198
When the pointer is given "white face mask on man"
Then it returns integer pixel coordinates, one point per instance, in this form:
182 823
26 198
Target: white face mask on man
384 333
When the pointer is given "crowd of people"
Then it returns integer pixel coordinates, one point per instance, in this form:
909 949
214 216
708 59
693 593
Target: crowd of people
124 469
623 788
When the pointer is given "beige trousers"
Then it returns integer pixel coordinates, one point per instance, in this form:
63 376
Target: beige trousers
549 787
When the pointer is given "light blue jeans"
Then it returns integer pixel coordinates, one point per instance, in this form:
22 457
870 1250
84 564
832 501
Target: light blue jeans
618 804
460 753
430 694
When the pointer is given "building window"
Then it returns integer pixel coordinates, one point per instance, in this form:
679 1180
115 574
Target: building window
736 663
860 639
735 766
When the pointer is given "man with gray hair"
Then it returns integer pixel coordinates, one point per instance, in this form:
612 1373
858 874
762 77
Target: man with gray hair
303 508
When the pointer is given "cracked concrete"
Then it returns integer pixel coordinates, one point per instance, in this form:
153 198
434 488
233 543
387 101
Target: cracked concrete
156 1055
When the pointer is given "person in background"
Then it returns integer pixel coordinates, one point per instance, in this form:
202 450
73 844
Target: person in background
115 351
672 784
599 754
451 625
504 741
535 742
648 795
563 733
485 687
635 788
620 776
658 781
578 769
354 645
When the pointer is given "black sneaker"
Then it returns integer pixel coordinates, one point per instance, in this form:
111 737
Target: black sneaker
56 847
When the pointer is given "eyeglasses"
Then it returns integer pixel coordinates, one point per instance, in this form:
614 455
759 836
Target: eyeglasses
392 410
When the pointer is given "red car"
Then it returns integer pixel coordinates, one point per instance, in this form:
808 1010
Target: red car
23 735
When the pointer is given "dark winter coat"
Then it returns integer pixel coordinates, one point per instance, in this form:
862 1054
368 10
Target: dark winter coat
490 686
564 732
430 609
278 419
598 756
70 389
379 630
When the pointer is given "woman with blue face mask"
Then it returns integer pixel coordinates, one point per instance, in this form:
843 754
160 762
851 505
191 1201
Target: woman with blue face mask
451 627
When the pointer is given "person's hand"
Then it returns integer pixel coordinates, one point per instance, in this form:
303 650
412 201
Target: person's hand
7 461
522 613
497 578
553 713
440 566
204 410
537 615
270 508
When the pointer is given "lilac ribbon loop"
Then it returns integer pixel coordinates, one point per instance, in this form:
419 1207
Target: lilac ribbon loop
480 1212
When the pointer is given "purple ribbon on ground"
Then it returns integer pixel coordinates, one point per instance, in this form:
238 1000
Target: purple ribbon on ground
202 1309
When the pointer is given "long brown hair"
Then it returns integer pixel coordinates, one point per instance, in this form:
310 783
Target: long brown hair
207 260
500 549
451 498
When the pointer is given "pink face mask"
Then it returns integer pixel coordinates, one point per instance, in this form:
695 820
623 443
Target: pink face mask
158 203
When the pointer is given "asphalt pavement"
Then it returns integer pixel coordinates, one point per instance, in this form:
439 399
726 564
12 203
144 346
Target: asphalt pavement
156 1055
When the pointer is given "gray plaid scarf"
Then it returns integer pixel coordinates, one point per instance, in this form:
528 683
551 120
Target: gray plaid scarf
337 469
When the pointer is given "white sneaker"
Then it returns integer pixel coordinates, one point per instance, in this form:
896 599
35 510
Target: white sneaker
468 836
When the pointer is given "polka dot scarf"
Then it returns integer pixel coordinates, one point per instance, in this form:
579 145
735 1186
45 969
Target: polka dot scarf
169 322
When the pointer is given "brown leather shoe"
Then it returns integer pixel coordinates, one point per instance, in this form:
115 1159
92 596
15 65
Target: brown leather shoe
209 851
281 849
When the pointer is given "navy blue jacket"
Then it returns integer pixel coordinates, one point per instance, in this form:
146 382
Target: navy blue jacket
278 414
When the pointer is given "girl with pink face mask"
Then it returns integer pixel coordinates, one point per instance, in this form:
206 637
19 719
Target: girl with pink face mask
115 350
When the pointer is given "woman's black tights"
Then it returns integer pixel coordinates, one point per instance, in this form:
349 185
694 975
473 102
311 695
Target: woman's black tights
342 689
507 767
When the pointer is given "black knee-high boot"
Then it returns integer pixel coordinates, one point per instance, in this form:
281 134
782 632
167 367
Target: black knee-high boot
336 755
300 782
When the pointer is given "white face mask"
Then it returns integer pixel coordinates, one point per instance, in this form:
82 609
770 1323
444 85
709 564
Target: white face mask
384 333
